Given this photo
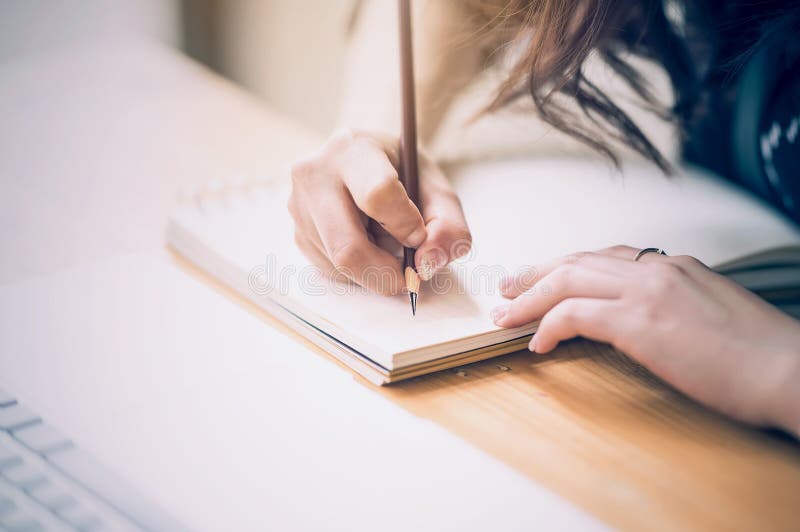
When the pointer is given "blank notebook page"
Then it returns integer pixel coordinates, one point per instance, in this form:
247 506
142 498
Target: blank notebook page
520 214
254 233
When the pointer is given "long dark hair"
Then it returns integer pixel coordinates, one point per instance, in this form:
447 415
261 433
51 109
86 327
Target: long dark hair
697 42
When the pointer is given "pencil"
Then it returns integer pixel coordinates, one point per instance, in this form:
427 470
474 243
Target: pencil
408 141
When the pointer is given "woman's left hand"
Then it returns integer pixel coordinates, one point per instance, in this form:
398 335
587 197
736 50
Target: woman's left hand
697 330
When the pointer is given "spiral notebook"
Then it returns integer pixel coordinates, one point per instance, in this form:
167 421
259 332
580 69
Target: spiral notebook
520 213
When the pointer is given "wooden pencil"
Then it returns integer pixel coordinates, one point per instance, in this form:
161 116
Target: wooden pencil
409 171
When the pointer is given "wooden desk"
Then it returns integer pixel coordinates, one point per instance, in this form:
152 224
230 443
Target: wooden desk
603 432
97 142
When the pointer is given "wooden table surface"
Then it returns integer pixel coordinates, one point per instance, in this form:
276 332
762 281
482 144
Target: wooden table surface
97 143
604 433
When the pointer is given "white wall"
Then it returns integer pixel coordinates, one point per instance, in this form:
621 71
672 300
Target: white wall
290 52
31 26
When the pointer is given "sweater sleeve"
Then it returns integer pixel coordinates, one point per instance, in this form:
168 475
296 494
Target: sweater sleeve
779 142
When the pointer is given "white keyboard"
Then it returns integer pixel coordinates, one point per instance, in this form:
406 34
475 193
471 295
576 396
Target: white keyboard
48 483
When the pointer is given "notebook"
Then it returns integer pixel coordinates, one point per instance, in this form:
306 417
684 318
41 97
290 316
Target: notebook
520 212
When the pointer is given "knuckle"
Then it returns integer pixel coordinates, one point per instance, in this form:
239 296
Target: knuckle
575 258
619 249
303 170
688 262
561 276
665 278
406 229
341 139
525 277
346 256
568 312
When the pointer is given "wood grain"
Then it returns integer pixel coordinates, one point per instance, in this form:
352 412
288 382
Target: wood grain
603 432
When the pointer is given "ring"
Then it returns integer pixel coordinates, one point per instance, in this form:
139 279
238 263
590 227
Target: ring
645 251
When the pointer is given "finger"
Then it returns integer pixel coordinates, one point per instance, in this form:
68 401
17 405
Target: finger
448 234
596 319
376 189
389 144
620 252
306 237
313 252
567 281
516 284
348 248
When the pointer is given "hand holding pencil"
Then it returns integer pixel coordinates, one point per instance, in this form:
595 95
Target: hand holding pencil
353 216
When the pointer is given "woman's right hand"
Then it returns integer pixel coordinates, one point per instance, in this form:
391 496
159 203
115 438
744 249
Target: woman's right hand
352 214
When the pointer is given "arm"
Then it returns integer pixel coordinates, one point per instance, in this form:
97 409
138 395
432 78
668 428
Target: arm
448 53
694 328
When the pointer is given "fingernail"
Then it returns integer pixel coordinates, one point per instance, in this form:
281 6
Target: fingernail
532 344
498 313
430 262
416 238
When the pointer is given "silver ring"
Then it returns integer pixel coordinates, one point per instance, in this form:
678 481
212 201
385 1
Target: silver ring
645 251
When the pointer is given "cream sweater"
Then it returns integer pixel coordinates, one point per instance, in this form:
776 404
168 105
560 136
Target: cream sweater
458 67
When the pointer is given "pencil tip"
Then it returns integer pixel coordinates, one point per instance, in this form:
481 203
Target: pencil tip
413 297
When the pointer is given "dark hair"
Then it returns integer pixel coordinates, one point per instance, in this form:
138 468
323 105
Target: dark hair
562 34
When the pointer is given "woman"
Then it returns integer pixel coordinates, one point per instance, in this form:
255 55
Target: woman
734 69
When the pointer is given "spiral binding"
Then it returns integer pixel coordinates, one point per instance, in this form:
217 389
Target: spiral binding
226 192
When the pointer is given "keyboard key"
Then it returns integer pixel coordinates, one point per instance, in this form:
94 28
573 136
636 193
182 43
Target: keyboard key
16 416
18 511
80 517
30 501
84 470
24 475
51 496
6 399
19 522
41 438
8 458
6 504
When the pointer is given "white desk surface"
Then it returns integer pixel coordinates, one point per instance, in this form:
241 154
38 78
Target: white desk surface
98 141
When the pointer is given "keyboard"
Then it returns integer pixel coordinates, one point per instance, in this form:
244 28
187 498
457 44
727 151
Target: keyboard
48 483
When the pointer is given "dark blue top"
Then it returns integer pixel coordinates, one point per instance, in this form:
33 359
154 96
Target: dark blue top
744 118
